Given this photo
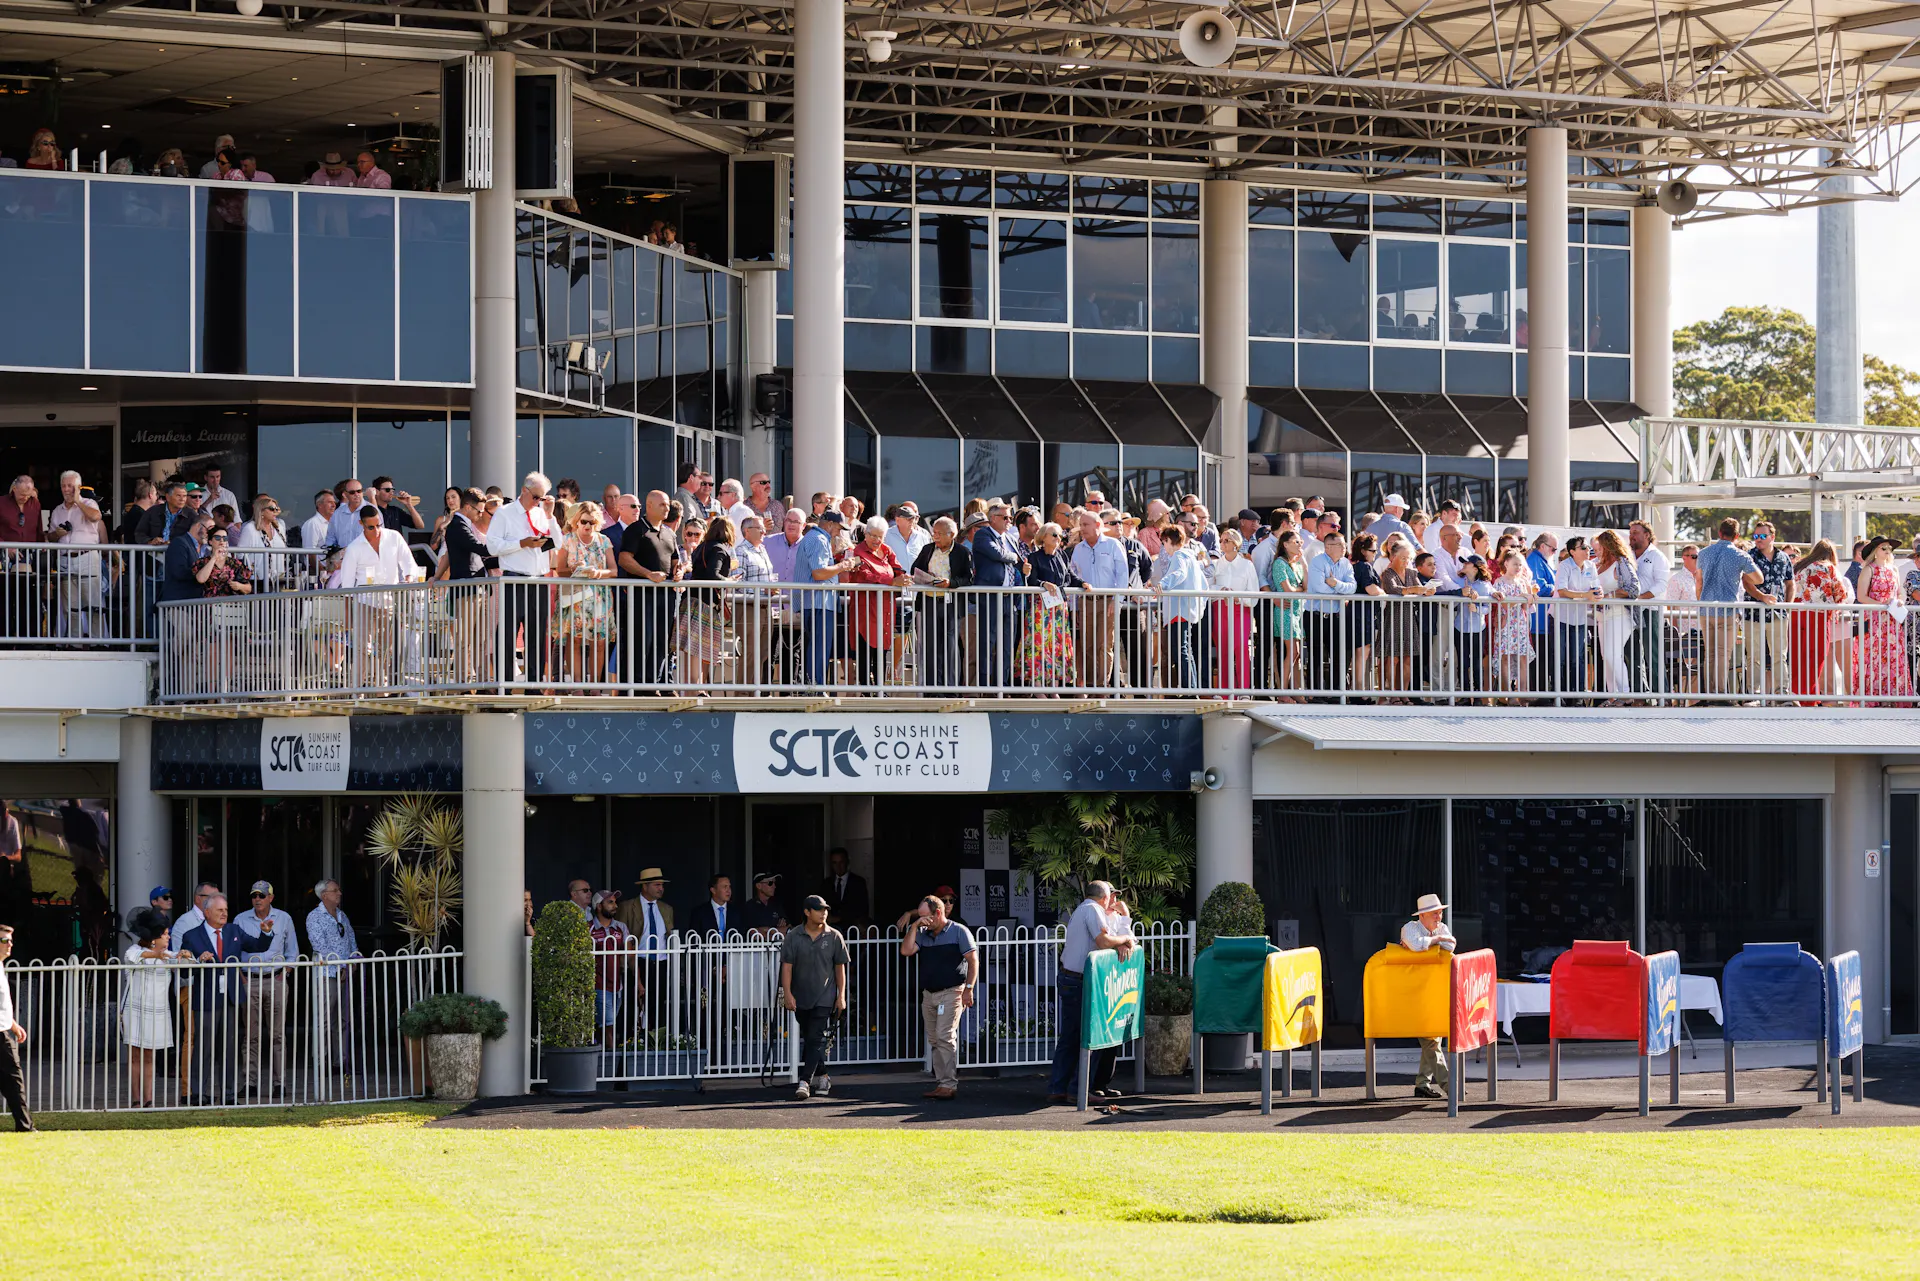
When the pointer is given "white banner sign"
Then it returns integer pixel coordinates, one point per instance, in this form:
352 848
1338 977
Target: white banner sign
877 752
304 753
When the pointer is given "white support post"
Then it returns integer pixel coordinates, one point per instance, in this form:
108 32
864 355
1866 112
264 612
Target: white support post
1223 825
141 851
1549 475
493 763
1653 332
819 255
1223 328
1839 373
490 452
760 298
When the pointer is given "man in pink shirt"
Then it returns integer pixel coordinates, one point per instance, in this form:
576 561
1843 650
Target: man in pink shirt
333 172
372 176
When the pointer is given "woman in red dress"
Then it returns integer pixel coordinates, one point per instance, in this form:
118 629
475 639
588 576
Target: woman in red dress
870 613
1810 640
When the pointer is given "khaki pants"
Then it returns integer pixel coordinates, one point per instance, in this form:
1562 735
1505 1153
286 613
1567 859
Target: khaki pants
1433 1066
264 1026
1098 631
940 1015
1766 645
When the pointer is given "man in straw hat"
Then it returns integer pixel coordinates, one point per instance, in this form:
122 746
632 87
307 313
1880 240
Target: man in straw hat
650 919
1428 928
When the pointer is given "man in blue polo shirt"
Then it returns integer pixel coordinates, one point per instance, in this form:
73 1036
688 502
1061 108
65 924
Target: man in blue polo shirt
1546 652
1088 930
1726 572
949 965
819 603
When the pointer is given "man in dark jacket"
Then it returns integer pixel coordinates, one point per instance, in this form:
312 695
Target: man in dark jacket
219 996
646 555
185 548
466 547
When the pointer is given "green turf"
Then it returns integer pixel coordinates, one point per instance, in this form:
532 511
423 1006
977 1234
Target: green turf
383 1193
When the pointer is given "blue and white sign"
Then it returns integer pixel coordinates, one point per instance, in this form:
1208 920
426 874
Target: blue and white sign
876 752
1663 1003
1846 1015
305 753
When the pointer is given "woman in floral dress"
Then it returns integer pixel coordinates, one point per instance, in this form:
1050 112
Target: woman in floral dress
1880 652
1512 646
586 613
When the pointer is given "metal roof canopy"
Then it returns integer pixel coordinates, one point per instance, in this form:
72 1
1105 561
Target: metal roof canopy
1667 731
1755 103
1708 462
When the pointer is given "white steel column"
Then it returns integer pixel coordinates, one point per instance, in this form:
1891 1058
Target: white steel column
490 448
1653 329
819 256
1858 921
494 762
1549 479
1839 373
142 853
760 302
1223 817
1223 328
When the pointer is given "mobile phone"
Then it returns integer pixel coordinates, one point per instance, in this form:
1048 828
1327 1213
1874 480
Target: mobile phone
547 544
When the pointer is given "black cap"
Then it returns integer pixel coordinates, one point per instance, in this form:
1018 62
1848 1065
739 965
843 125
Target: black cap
766 878
832 514
815 903
1248 513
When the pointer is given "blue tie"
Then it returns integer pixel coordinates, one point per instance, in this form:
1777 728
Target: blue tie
720 919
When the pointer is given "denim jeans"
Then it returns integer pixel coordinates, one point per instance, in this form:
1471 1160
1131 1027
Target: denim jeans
1066 1050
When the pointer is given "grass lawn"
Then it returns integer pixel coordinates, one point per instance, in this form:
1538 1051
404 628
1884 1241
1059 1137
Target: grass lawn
376 1193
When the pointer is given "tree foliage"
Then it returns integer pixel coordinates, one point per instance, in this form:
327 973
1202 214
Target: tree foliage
419 840
563 977
1143 845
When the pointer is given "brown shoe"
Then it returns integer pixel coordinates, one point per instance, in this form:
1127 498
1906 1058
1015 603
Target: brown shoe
942 1092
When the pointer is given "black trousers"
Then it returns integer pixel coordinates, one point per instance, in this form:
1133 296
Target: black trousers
813 1040
526 605
13 1081
646 639
1645 666
1321 636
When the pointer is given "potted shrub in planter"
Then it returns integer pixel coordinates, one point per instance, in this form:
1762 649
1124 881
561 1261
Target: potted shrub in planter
1233 910
563 999
1169 1023
453 1024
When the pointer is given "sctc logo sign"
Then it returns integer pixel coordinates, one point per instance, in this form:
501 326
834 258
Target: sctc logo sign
287 753
834 750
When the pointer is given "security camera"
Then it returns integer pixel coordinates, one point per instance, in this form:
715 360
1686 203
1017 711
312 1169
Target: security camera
880 45
249 8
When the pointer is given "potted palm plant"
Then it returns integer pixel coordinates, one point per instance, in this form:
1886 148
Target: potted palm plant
563 999
417 839
453 1024
1169 1022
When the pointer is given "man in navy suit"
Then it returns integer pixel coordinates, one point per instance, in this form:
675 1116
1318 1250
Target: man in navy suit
998 561
219 996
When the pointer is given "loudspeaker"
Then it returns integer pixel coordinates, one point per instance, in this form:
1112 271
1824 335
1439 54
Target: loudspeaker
759 211
1207 38
1677 197
543 134
771 396
466 123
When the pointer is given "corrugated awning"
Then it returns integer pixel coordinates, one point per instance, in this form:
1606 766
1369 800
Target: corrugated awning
1686 731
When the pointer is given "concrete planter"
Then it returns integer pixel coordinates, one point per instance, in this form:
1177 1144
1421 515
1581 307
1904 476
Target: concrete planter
571 1071
453 1062
1169 1043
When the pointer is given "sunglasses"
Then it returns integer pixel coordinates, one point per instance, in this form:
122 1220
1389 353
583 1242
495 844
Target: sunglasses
256 897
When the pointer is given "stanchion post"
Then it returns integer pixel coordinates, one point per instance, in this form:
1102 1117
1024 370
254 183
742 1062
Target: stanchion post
1453 1082
1266 1081
1673 1075
1727 1045
1553 1069
1086 1071
1316 1069
1286 1074
1371 1094
1833 1066
1860 1075
793 1045
1820 1068
1140 1060
1493 1070
1646 1072
1199 1066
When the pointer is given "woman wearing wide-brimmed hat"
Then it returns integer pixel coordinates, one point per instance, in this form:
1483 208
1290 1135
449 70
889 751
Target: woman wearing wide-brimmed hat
1428 929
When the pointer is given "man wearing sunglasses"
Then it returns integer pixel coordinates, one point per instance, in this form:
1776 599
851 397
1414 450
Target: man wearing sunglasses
264 1029
344 525
330 938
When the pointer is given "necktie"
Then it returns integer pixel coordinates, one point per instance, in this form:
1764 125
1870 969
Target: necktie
720 919
653 927
219 947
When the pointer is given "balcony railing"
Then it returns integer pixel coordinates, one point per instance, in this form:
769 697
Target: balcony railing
570 637
133 275
72 595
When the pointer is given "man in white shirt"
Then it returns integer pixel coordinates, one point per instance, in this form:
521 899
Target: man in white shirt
217 495
13 1080
1428 929
1448 517
522 535
377 558
265 1026
1446 556
733 501
313 532
1654 572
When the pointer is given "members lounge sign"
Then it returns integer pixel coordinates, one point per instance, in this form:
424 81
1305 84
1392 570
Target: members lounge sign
304 753
878 753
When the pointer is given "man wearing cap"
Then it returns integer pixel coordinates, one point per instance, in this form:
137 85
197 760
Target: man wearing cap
160 903
650 918
813 984
610 938
814 565
264 1024
1390 521
1428 929
761 913
949 966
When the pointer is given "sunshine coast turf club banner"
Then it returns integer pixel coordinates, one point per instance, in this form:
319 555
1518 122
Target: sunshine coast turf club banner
305 753
882 752
374 753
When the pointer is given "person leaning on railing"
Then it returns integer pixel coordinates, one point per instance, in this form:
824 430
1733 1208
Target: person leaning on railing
464 560
20 523
377 558
79 598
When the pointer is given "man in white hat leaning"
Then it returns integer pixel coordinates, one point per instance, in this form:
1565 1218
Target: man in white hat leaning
1390 522
1428 929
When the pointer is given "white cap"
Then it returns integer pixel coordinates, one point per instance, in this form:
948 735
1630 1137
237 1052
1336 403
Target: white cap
1394 500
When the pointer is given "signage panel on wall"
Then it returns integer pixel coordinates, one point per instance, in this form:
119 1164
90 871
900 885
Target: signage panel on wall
304 753
877 752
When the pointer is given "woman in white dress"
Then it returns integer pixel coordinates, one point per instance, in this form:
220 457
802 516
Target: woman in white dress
146 1016
1618 582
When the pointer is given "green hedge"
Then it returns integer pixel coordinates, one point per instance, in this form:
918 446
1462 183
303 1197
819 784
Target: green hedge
454 1012
563 977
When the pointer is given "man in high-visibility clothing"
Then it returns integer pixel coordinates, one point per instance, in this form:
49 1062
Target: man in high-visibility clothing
1428 928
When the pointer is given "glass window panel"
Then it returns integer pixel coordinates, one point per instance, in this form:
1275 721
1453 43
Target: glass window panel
1006 469
1406 213
879 248
593 451
1176 200
1333 271
783 340
1166 472
1479 373
869 181
1176 279
879 347
1334 210
1576 224
624 257
140 278
587 248
559 276
1485 218
43 243
953 266
690 350
1033 271
1609 226
1176 360
693 400
1407 291
950 349
1331 366
1610 301
1577 377
1113 357
529 281
1609 379
1576 298
436 290
1031 353
690 289
1406 369
1270 206
346 285
1073 470
924 469
601 303
298 453
1520 296
968 188
860 445
244 290
1270 364
1479 292
721 290
1044 191
1095 194
412 451
1269 283
1109 274
783 293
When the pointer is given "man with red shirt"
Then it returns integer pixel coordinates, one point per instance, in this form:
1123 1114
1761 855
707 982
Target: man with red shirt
611 936
20 523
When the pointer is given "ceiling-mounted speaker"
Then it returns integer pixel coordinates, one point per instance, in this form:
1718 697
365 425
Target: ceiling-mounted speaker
1207 38
1677 197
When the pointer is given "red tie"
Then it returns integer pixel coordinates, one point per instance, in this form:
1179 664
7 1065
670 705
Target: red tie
219 950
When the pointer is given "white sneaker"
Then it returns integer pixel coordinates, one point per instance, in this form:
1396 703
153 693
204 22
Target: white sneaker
823 1085
801 1093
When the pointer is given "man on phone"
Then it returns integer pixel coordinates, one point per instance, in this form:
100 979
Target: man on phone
813 985
522 536
949 967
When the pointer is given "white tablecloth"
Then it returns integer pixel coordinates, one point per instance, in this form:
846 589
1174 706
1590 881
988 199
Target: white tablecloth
1517 1000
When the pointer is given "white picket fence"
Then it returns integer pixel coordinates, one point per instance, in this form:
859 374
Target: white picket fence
109 1036
708 1007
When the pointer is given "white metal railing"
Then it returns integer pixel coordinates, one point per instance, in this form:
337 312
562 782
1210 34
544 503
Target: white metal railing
108 1036
692 639
82 595
710 1006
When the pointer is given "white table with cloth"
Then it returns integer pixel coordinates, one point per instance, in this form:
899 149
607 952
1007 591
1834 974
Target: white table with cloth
1523 999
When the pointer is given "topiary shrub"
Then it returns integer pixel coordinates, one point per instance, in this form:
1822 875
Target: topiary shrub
1169 993
452 1012
1232 910
563 978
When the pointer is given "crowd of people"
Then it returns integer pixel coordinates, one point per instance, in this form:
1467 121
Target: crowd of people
226 162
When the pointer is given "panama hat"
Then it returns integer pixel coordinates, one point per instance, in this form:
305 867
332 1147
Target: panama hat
650 874
1429 903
